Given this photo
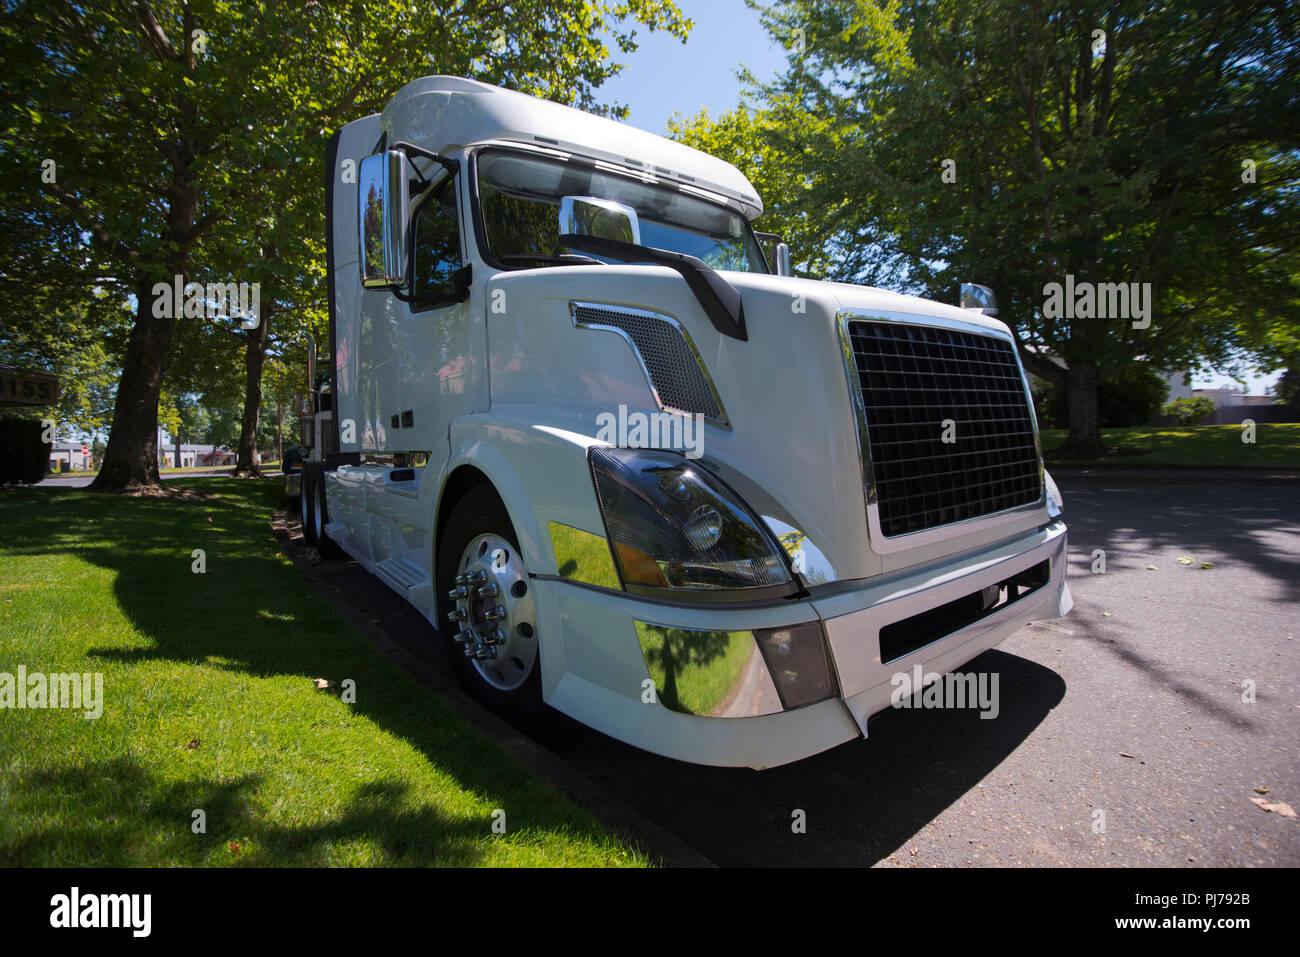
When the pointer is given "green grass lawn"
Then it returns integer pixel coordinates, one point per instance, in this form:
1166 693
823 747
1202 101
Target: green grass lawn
1276 445
209 704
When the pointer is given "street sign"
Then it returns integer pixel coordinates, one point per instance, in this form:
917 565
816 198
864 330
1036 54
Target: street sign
85 450
27 388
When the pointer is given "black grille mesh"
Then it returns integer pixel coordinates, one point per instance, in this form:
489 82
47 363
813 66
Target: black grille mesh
913 378
674 370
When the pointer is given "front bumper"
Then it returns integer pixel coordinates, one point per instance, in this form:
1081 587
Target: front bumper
595 669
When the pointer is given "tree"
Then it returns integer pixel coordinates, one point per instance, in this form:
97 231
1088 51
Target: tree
1190 411
1022 147
158 116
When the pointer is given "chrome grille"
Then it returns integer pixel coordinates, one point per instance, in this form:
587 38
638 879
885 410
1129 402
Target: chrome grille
670 361
913 378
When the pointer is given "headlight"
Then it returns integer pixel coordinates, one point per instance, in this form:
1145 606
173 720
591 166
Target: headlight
1055 504
675 527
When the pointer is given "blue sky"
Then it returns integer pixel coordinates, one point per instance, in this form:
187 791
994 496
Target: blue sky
664 76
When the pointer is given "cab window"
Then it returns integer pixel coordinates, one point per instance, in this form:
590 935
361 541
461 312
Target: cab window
436 248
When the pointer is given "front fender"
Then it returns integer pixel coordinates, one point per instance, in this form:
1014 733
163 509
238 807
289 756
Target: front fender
537 461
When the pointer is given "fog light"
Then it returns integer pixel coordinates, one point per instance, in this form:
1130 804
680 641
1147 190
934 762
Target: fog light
797 660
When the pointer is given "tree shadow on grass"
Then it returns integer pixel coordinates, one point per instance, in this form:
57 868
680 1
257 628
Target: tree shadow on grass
252 613
117 814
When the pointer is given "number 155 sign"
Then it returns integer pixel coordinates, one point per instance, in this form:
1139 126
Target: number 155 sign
27 388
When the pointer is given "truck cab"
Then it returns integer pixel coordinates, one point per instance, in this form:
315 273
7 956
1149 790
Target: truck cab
633 470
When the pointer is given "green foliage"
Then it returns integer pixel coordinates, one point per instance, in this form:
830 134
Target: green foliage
1114 162
185 137
1126 399
24 455
1190 411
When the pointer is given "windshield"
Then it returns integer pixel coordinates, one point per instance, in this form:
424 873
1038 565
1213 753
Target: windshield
520 198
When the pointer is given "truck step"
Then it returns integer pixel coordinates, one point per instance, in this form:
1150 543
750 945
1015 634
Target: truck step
338 532
402 573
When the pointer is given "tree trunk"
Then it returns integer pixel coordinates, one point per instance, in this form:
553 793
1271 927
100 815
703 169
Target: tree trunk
1082 383
246 465
131 457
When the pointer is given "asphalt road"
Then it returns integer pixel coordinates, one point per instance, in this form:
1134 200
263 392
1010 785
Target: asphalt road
1132 706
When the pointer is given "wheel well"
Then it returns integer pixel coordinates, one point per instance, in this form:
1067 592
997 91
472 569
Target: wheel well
459 483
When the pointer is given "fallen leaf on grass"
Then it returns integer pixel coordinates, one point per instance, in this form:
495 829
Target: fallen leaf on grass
1279 808
193 744
324 685
235 849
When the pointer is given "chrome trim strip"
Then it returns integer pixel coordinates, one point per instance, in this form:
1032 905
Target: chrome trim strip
880 543
575 305
583 556
854 638
683 663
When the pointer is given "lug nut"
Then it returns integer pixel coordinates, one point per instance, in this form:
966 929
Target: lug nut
456 614
462 579
478 577
457 593
489 590
495 614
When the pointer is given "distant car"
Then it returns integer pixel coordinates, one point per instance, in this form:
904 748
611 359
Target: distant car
291 465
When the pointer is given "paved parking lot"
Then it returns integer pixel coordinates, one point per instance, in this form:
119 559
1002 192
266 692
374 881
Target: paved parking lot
1125 735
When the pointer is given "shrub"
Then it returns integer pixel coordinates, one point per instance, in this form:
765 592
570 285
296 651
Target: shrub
1190 411
1126 399
24 456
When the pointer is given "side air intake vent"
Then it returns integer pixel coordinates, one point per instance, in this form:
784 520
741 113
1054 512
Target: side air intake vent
671 363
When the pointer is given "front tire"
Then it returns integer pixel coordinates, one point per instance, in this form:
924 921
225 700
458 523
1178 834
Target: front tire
486 610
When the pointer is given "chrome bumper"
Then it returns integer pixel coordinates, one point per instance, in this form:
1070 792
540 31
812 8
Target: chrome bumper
866 682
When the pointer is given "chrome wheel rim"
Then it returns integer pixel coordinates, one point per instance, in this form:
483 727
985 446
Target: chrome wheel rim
493 612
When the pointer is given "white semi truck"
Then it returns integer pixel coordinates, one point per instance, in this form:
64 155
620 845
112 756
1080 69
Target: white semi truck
629 466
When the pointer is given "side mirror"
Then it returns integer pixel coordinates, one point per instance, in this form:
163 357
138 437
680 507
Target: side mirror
782 256
980 298
461 280
602 218
383 208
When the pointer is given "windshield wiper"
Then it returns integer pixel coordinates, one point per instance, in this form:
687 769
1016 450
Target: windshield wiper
565 259
721 302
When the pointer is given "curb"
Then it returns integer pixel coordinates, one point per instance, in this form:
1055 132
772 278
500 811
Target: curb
1170 476
624 821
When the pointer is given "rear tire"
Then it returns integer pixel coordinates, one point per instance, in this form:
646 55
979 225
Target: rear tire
479 541
307 505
